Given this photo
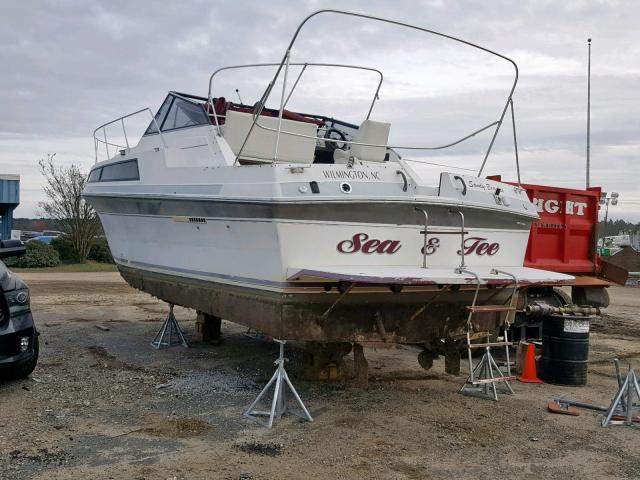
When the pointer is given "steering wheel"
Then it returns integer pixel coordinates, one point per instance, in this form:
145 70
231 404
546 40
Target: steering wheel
335 134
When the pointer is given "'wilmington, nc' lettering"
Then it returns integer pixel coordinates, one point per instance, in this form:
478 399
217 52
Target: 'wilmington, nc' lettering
351 175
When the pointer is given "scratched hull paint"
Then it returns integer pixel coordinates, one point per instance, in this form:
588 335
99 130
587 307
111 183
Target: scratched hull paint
299 313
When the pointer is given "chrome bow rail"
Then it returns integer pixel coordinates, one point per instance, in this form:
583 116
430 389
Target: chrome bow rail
97 141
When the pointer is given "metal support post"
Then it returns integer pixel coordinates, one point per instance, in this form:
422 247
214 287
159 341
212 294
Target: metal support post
282 101
424 233
170 333
279 404
622 409
462 239
515 139
482 378
588 182
124 131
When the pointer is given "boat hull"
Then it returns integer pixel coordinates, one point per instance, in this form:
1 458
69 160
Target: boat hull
275 247
416 315
259 251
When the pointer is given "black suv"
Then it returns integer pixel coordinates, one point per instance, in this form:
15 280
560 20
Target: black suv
18 334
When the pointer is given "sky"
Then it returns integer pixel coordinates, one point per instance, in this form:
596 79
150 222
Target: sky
70 66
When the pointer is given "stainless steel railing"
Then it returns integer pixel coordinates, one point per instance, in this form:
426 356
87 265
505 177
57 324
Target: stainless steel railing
97 141
295 84
285 64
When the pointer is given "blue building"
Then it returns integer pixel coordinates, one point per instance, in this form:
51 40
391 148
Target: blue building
9 200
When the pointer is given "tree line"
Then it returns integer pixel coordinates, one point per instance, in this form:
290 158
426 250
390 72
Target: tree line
64 210
614 227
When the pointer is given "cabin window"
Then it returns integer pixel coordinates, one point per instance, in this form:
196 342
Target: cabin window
160 115
94 176
127 170
184 114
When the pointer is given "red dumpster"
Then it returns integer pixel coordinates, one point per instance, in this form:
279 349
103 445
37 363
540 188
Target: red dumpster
565 238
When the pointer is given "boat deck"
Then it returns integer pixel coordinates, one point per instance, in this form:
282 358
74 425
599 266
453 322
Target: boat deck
404 275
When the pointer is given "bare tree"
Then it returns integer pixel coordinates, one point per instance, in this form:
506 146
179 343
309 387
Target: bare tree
63 188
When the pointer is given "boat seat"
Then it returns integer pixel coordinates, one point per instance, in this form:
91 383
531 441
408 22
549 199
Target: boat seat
369 132
262 143
220 106
267 112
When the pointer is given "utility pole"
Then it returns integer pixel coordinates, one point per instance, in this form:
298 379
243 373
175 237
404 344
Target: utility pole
588 112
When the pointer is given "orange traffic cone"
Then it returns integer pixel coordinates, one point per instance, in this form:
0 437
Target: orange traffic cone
529 372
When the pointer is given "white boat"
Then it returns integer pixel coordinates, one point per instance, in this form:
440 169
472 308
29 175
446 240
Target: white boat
305 227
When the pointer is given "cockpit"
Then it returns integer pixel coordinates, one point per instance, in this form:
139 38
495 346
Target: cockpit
304 137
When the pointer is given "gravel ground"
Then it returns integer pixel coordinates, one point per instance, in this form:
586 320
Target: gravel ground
103 404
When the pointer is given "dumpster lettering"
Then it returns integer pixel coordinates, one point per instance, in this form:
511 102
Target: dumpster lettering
558 206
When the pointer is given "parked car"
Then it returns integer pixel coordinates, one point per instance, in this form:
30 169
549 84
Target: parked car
43 238
18 334
54 233
26 235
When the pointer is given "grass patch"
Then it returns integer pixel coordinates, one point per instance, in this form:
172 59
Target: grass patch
73 267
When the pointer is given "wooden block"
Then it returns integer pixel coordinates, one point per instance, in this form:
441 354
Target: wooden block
208 327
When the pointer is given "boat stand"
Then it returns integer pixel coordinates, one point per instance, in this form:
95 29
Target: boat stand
483 378
279 405
623 411
169 334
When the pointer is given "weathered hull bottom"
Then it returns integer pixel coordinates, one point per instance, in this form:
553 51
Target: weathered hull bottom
364 314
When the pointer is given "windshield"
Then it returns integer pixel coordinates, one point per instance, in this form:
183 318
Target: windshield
177 112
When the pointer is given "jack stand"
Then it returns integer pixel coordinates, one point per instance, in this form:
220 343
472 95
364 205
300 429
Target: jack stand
279 403
482 378
622 410
169 334
360 366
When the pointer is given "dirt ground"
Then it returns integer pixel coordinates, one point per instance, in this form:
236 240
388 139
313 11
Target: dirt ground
103 404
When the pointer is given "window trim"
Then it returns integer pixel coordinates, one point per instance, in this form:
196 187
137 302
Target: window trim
162 121
99 170
162 129
125 179
173 99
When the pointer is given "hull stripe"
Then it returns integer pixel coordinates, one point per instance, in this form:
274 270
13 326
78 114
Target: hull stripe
391 213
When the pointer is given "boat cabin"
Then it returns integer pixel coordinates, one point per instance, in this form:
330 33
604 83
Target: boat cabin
304 138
